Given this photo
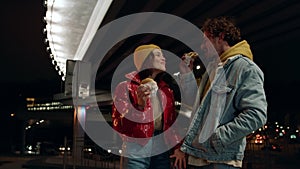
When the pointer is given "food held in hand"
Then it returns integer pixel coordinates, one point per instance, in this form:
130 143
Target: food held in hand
151 83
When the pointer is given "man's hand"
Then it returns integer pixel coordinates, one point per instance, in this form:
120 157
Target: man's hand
184 66
180 160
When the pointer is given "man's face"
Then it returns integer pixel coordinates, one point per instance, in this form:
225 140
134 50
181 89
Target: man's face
208 45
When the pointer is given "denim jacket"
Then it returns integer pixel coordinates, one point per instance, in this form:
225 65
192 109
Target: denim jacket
233 106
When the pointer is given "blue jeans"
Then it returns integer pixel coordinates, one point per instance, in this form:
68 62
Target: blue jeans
214 166
161 161
137 156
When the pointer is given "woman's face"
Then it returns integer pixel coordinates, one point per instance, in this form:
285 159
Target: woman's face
158 61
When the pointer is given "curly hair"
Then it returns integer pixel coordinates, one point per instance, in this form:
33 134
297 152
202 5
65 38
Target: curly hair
224 25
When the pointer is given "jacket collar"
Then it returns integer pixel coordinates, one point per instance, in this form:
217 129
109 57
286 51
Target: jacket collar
134 77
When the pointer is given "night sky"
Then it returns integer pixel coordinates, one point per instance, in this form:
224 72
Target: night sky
25 64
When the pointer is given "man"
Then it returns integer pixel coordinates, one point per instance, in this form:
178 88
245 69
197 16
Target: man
230 102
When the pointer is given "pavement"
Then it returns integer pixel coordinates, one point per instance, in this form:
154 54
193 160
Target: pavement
67 163
13 162
54 162
253 160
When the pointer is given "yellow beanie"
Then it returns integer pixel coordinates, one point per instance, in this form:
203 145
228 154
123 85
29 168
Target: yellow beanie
141 53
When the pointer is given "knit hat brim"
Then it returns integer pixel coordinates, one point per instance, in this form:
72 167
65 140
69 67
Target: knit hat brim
141 53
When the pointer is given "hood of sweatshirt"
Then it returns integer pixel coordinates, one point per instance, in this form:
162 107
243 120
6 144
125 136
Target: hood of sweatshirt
242 48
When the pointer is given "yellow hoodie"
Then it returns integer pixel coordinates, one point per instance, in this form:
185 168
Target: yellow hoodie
242 48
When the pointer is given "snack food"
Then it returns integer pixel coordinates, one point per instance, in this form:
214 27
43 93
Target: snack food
151 83
144 81
189 56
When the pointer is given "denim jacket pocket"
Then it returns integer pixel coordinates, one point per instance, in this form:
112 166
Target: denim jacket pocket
218 99
221 89
211 146
216 144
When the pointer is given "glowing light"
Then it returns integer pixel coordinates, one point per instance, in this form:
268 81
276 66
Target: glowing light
56 39
176 74
56 17
56 29
30 99
70 26
30 147
50 3
57 47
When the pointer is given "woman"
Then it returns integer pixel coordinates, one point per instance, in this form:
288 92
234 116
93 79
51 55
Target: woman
144 107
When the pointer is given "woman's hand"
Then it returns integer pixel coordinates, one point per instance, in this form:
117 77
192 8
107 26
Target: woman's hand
143 92
180 160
